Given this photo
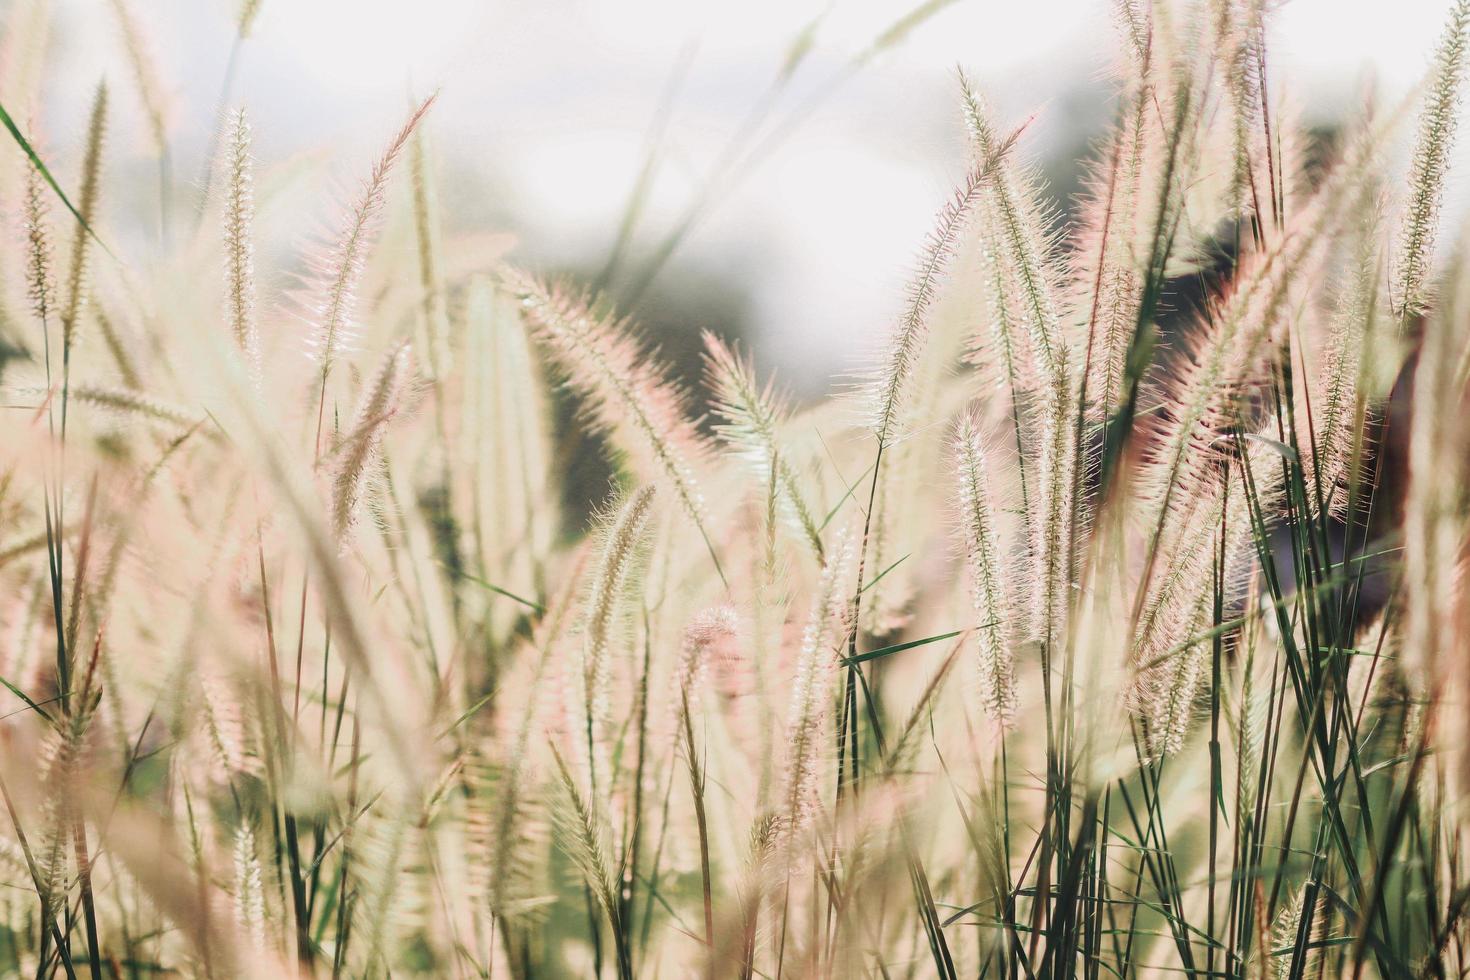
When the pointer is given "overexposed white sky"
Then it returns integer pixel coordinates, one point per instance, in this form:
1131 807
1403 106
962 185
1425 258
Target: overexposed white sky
546 110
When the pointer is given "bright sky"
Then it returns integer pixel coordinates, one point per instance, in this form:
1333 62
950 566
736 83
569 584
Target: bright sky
550 102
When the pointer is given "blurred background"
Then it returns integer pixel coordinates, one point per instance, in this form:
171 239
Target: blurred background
766 168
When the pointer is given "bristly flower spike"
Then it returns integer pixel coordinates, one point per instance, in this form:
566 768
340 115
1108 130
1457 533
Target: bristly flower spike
984 566
332 302
239 213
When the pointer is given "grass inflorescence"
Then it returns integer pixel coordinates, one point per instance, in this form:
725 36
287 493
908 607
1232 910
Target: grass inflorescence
1115 624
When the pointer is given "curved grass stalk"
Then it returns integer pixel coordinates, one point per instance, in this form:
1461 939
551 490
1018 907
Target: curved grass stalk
751 418
627 392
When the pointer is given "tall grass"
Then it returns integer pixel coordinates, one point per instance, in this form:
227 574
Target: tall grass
1095 632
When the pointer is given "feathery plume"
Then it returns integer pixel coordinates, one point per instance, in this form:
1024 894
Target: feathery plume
127 402
1166 694
623 532
77 285
900 358
1232 351
888 392
984 567
40 273
1107 270
751 417
239 214
58 763
1291 953
1339 410
1006 340
426 234
1413 260
1239 37
1030 281
331 303
224 727
811 684
1118 220
1018 223
359 448
626 390
1435 521
1171 644
622 543
245 20
583 833
1053 528
249 889
1133 17
765 834
61 760
1257 666
705 631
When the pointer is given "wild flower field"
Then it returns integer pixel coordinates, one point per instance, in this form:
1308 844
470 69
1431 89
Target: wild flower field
1114 624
